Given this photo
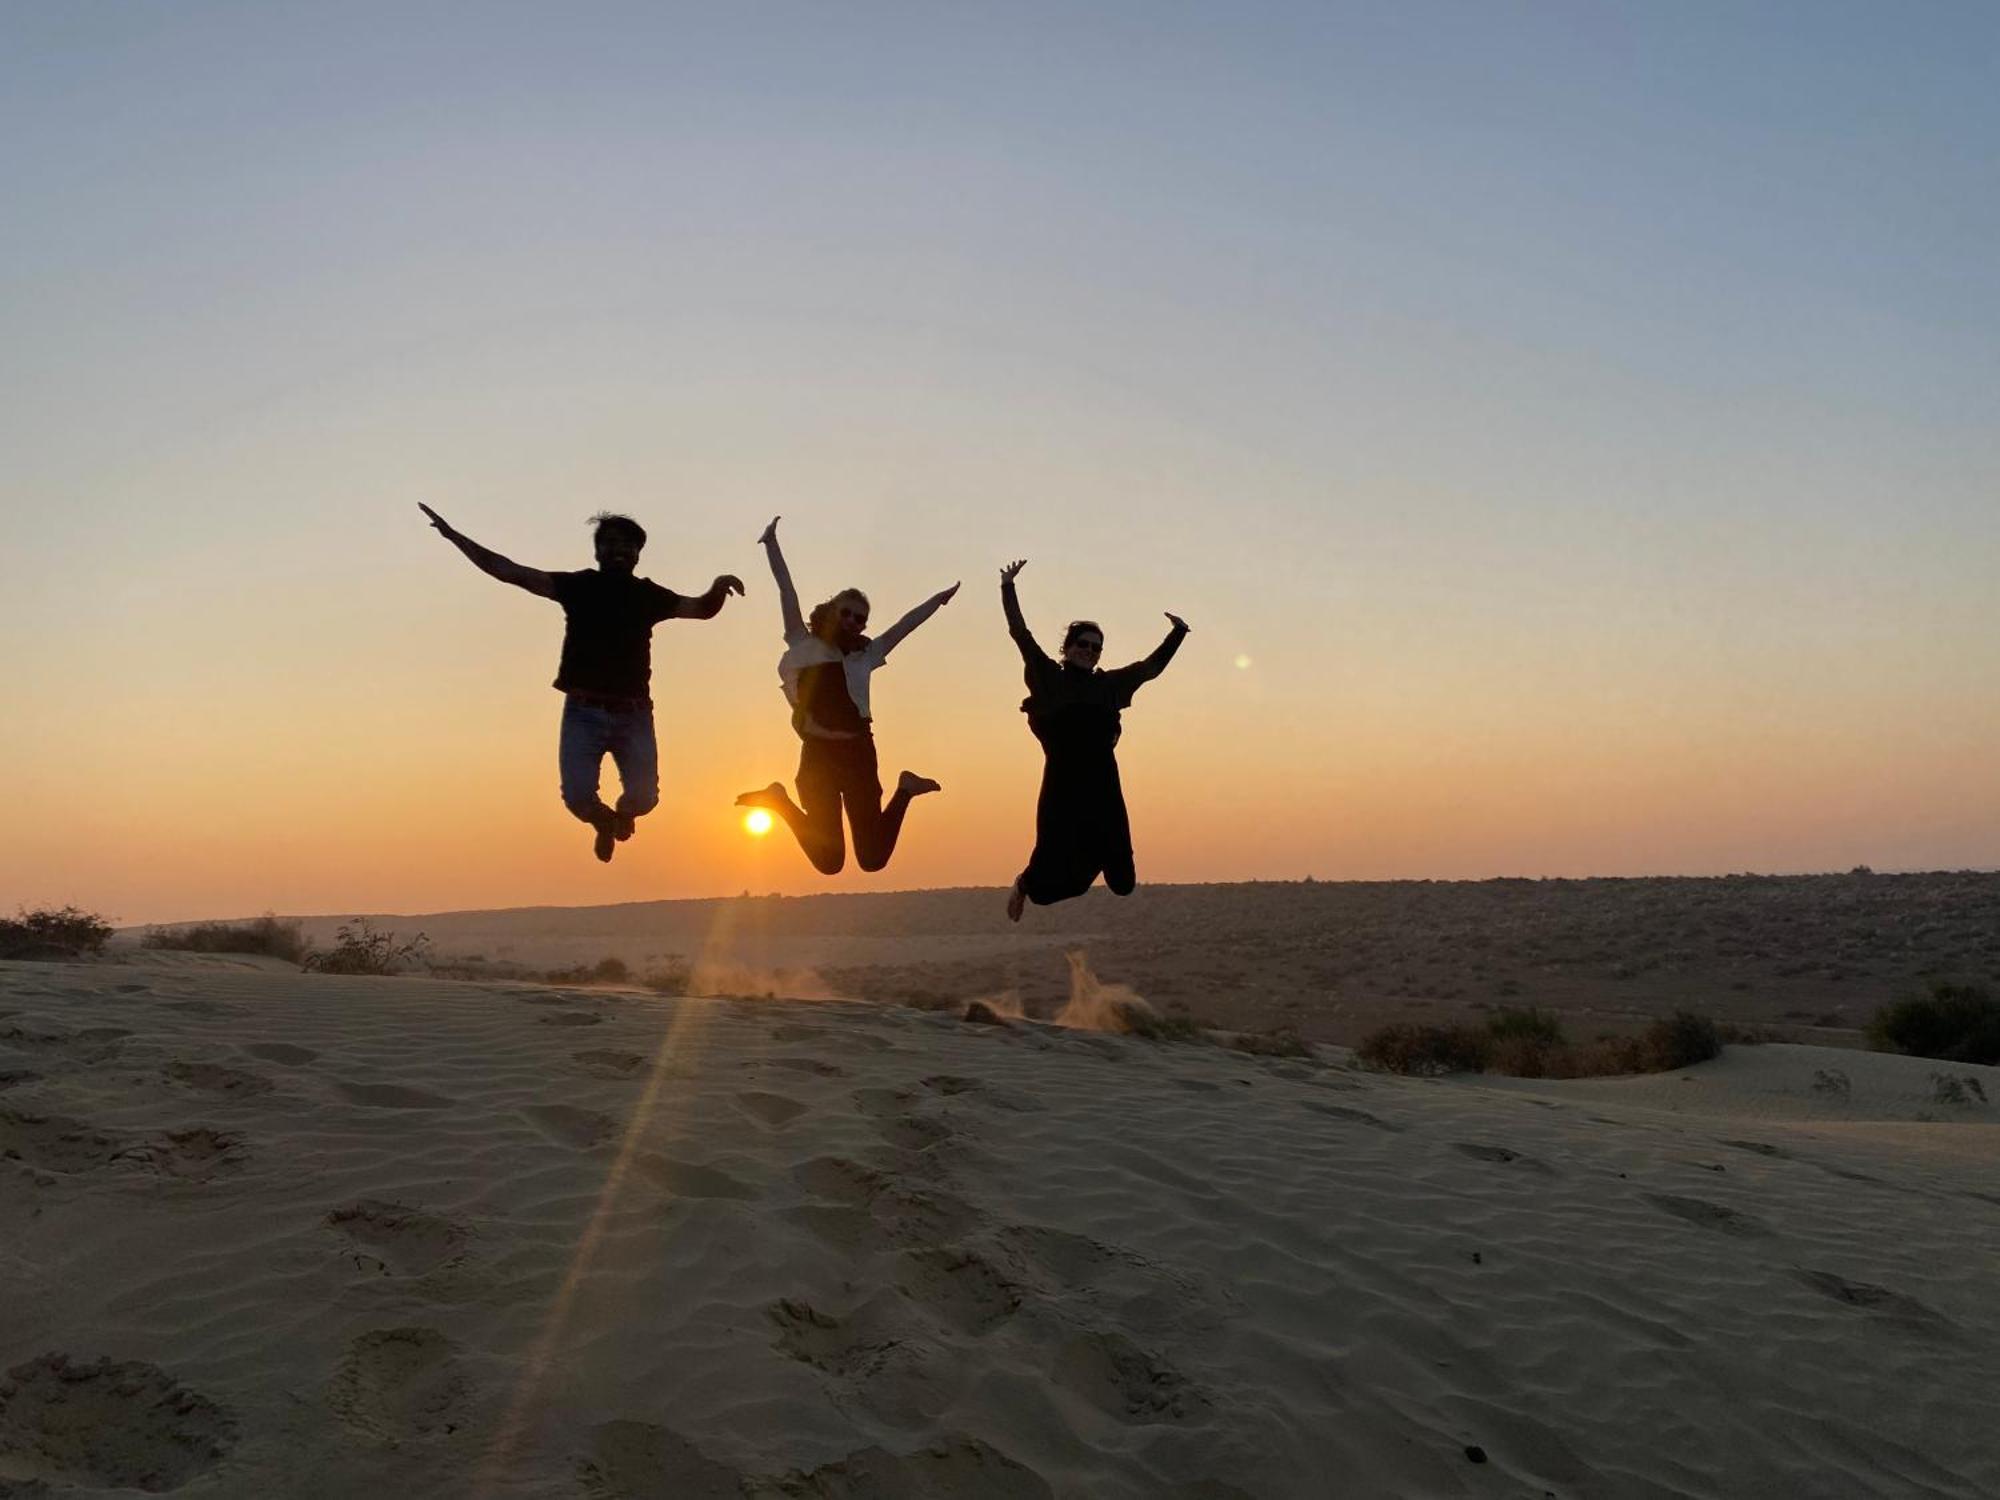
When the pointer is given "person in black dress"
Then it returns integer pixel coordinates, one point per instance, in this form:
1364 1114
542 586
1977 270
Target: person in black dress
1073 708
606 672
825 671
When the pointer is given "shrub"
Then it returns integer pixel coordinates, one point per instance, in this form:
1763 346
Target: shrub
1154 1027
266 935
358 948
604 971
672 977
1426 1050
1679 1042
1542 1027
1953 1023
53 932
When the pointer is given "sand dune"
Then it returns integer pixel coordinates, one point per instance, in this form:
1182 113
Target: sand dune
266 1234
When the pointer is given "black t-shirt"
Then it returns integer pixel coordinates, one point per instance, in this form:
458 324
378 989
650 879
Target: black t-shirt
608 633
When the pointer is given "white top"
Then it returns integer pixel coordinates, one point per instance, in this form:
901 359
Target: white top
856 667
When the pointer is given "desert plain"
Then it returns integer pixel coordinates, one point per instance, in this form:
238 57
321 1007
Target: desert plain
802 1229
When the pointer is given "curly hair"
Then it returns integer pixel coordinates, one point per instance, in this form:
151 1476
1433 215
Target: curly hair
608 520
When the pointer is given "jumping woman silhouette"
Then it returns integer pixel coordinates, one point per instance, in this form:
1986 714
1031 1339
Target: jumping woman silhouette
825 670
1073 708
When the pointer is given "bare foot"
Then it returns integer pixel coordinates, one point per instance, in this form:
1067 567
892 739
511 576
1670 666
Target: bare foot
767 797
1017 900
910 784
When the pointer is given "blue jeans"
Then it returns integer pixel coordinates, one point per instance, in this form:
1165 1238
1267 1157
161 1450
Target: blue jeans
588 734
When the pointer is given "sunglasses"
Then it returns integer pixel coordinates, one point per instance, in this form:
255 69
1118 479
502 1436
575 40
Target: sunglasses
1085 643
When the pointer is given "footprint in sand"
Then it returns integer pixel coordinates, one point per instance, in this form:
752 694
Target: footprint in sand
1125 1382
610 1064
571 1126
572 1018
637 1461
55 1143
774 1110
953 1465
282 1053
1071 1260
835 1345
390 1096
398 1239
870 1211
194 1155
398 1384
1198 1085
958 1288
1862 1294
1759 1147
105 1425
214 1078
1502 1154
681 1179
1342 1112
801 1065
15 1077
1709 1215
897 1123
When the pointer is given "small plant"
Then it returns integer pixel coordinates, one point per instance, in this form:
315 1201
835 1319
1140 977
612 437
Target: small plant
1680 1041
358 948
671 978
1953 1023
53 932
604 971
1405 1047
266 935
1543 1027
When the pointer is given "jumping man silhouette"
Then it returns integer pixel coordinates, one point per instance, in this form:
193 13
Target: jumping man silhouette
606 670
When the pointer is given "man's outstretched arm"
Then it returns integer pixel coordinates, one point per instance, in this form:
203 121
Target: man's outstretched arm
707 606
1017 624
788 596
491 563
889 639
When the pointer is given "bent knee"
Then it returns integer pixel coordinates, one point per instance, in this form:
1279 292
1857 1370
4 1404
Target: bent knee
1121 884
828 863
871 862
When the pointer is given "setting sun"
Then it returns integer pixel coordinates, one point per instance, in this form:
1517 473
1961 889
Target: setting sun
757 821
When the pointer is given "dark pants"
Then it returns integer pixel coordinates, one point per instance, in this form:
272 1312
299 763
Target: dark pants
833 773
1081 828
589 733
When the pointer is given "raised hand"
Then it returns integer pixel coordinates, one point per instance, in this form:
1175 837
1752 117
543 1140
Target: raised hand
1008 573
770 535
726 584
1179 624
944 596
437 520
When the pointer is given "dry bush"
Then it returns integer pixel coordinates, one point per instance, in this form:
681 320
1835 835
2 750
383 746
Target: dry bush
53 932
1154 1027
266 935
671 977
358 948
1953 1023
611 970
1530 1044
1406 1047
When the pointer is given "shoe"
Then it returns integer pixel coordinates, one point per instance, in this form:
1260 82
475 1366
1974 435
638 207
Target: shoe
606 839
622 825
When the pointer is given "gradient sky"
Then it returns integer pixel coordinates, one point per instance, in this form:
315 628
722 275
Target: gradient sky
1581 417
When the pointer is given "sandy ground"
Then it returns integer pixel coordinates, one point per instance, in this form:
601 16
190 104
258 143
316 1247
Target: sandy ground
1812 955
272 1234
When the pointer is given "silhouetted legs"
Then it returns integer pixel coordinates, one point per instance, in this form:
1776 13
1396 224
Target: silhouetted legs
834 774
589 733
1081 831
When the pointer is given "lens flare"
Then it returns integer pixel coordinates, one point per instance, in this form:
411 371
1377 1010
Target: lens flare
757 822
